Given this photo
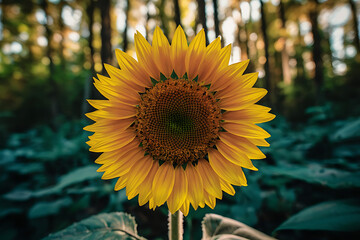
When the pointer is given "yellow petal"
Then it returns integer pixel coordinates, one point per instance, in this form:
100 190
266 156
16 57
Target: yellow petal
179 48
161 52
235 156
132 69
226 187
185 208
179 193
110 157
224 57
163 183
121 183
106 145
210 200
195 54
119 112
120 78
225 77
146 188
145 57
120 93
122 165
242 144
137 175
238 83
196 189
243 99
259 142
225 169
210 178
105 126
254 114
210 63
247 130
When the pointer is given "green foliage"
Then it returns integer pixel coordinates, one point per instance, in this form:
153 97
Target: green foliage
77 176
341 215
116 225
317 174
43 209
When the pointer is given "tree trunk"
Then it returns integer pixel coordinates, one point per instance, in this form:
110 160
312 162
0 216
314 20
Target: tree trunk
202 17
106 51
267 78
300 76
317 53
88 83
284 54
62 28
216 18
163 18
53 94
125 40
355 24
177 16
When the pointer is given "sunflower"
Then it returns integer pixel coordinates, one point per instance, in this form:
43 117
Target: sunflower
179 123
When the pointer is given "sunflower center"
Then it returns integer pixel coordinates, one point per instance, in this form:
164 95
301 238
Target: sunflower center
178 121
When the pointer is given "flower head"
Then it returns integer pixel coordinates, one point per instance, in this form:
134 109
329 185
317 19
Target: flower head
179 124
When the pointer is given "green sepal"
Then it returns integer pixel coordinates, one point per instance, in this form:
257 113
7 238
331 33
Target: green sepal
163 78
185 76
196 78
174 75
154 81
207 86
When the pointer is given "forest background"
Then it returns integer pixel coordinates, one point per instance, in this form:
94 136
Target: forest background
307 53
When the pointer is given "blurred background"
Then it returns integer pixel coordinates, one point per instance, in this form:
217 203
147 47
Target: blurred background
307 53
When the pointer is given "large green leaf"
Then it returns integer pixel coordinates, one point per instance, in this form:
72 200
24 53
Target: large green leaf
43 209
79 175
315 173
103 226
341 215
216 227
350 131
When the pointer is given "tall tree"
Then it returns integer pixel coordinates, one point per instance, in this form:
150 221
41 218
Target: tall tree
177 16
53 94
284 54
125 40
61 29
106 51
316 51
355 24
216 18
268 84
87 88
202 17
300 76
164 18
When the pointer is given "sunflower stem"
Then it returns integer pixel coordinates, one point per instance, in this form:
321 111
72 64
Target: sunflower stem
176 226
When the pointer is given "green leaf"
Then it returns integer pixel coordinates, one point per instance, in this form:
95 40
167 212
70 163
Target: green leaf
26 168
341 215
314 173
43 209
104 226
217 227
18 195
349 131
79 175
